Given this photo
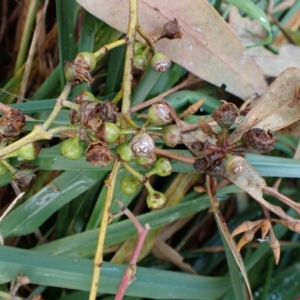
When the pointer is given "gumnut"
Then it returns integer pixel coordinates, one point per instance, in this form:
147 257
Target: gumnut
160 62
171 30
155 199
172 135
129 184
234 165
72 148
225 115
25 174
12 123
98 154
142 144
162 167
146 161
159 114
259 139
108 132
78 71
124 152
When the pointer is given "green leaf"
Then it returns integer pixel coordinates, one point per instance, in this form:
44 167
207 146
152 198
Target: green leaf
70 273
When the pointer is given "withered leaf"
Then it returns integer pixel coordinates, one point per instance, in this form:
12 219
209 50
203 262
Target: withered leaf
208 48
277 109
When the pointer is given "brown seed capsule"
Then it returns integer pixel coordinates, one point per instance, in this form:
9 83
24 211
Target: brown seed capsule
200 164
98 153
25 174
142 144
78 71
12 123
108 111
216 168
259 139
225 115
171 30
89 114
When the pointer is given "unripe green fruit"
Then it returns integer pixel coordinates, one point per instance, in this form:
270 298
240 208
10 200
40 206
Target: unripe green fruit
72 148
124 152
138 48
3 169
171 135
140 61
155 199
162 167
159 114
108 132
129 184
29 151
146 161
160 62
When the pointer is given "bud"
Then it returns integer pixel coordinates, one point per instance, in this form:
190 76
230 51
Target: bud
124 152
171 30
225 115
72 148
142 144
171 135
98 154
138 47
162 167
259 139
234 165
155 199
29 151
160 62
25 174
129 184
159 114
146 161
108 132
140 61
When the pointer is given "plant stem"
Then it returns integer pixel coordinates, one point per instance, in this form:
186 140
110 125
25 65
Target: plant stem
180 157
135 173
63 96
110 46
38 133
8 166
98 260
128 277
146 37
127 77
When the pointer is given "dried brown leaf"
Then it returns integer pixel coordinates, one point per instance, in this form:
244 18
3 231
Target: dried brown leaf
247 238
275 246
265 227
276 109
245 226
208 47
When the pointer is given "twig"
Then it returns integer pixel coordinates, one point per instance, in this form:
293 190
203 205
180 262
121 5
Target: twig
98 260
130 272
180 157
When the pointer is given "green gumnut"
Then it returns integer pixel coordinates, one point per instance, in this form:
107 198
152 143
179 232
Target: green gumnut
160 62
162 167
146 161
155 199
129 184
28 152
124 152
72 148
3 169
108 132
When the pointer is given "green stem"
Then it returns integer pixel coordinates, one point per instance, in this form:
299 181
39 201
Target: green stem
38 133
134 172
8 166
63 96
69 104
110 46
127 77
73 128
146 37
